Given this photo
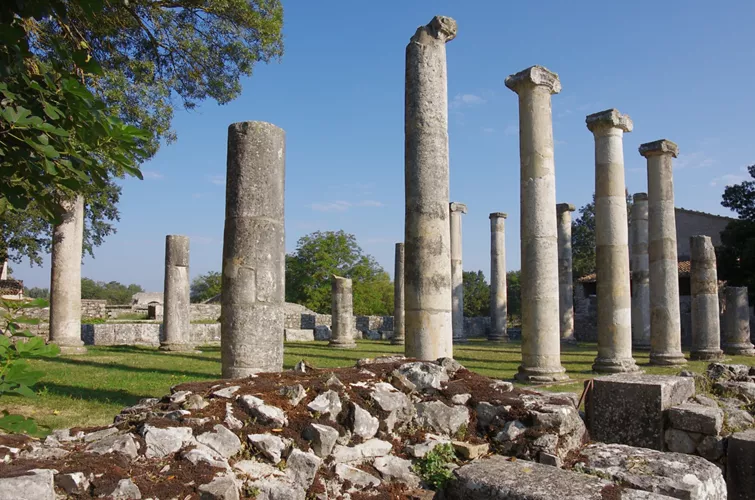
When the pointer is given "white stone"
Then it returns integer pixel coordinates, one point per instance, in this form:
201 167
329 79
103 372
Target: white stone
36 485
265 413
226 392
225 442
369 449
270 446
327 403
162 442
355 476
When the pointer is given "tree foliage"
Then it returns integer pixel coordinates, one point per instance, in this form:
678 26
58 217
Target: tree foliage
476 294
206 286
514 296
320 255
736 255
114 292
37 293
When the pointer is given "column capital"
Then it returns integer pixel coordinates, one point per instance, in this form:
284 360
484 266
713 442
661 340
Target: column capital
457 207
441 28
498 215
610 118
639 197
564 207
534 76
661 147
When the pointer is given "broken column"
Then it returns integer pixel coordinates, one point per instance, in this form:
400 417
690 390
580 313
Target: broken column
706 327
398 297
176 307
498 299
457 271
665 320
429 333
612 244
736 331
65 278
639 265
253 295
342 314
541 346
565 277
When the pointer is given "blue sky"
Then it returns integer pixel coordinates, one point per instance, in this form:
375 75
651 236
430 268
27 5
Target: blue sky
681 70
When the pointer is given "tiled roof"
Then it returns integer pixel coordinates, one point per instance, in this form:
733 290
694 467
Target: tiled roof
11 287
684 269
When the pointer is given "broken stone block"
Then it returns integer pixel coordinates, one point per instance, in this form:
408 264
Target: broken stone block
631 409
125 490
424 375
256 470
230 419
674 474
421 449
263 412
161 442
460 399
294 393
226 392
363 424
203 453
225 487
301 467
697 418
327 403
743 390
299 335
270 446
511 430
450 365
402 383
400 407
273 488
356 477
195 402
97 435
469 451
549 459
118 443
441 418
75 483
36 485
223 441
680 441
369 449
322 438
712 447
740 470
393 468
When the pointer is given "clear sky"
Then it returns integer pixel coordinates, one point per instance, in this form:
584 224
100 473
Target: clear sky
681 70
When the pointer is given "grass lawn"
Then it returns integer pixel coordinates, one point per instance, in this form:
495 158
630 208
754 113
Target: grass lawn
91 389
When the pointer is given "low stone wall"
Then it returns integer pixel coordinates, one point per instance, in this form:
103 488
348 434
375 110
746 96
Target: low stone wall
144 334
205 312
91 308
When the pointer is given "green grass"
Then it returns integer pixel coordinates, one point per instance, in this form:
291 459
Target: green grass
91 389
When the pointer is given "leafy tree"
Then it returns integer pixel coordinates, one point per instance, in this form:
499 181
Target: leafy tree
476 294
320 255
514 297
37 293
736 255
113 292
206 286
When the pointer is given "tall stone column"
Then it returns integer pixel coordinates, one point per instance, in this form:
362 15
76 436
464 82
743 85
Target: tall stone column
706 327
65 278
399 331
612 244
457 272
736 331
565 276
640 268
254 253
342 314
541 346
665 319
427 229
498 293
176 306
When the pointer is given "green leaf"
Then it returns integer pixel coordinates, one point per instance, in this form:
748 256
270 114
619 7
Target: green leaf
16 115
51 111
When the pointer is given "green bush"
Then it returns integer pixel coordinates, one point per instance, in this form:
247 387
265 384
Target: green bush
433 467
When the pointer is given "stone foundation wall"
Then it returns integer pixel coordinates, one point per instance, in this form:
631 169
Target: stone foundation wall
144 334
93 308
205 312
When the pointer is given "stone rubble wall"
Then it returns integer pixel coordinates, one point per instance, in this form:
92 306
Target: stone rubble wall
205 312
144 333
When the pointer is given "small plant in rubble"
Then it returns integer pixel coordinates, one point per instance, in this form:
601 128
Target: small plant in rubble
433 467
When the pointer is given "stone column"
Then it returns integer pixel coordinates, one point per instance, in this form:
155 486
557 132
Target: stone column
427 230
706 326
457 272
498 298
398 297
639 265
736 331
342 314
254 254
541 346
612 244
176 310
665 319
65 278
565 277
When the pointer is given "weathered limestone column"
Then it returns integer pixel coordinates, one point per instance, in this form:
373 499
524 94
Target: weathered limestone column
254 254
541 346
736 331
498 298
612 244
565 277
665 319
427 230
639 265
399 330
65 278
706 326
176 310
342 314
457 272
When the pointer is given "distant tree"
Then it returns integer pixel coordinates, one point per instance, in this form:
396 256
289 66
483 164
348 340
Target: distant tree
320 255
476 294
206 286
736 255
115 293
37 293
514 297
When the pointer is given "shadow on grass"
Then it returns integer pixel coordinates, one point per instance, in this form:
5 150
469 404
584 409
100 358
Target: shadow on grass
204 355
119 397
130 368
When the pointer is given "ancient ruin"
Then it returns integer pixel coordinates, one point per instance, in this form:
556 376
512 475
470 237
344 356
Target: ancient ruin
639 266
565 276
399 331
176 310
457 271
498 299
736 322
342 313
706 327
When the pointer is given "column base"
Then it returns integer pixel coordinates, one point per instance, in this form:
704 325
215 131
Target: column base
743 349
667 359
342 345
177 348
400 341
541 375
614 365
706 355
234 372
72 350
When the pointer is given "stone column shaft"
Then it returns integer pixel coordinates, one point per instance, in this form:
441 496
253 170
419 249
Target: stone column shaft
640 268
398 297
665 319
427 231
253 295
498 292
612 244
565 275
457 272
541 346
176 310
65 278
706 327
736 331
342 314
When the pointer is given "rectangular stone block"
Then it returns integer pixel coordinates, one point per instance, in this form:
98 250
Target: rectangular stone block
299 335
692 417
632 409
740 469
